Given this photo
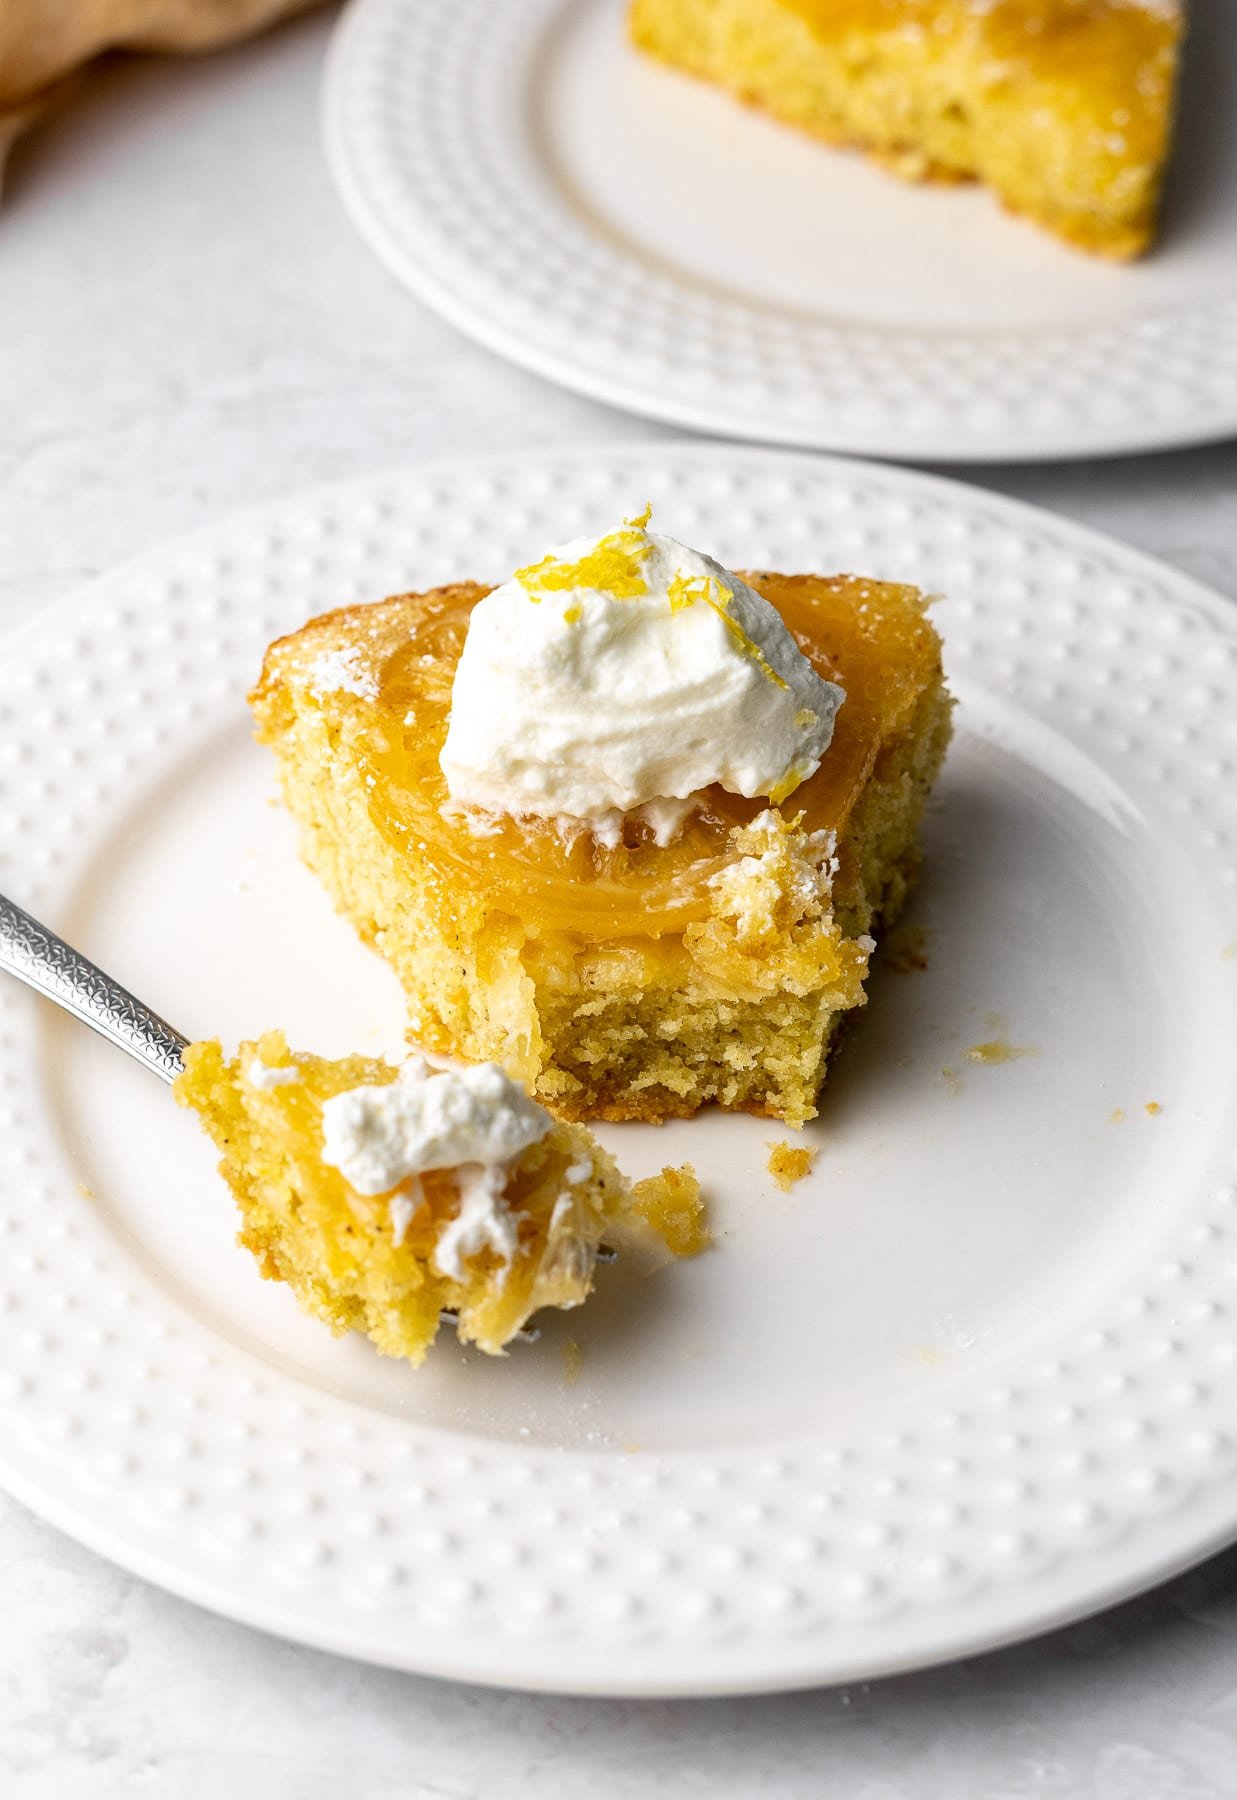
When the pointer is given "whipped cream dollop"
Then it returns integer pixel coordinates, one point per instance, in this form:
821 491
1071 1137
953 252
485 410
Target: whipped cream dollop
378 1136
628 672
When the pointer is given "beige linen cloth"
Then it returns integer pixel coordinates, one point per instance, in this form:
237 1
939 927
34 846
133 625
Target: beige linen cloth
44 41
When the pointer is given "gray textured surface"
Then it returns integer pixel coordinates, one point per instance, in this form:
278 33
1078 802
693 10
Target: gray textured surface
187 325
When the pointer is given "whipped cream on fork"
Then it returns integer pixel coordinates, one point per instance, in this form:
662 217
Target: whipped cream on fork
476 1121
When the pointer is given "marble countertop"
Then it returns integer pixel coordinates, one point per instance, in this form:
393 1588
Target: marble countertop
188 324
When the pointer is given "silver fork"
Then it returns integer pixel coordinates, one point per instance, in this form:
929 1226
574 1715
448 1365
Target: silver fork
53 968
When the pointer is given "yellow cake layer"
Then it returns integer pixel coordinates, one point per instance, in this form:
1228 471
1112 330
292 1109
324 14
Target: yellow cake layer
344 1255
639 982
1063 107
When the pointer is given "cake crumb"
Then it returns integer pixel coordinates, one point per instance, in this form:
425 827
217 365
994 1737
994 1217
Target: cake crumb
1117 1115
1153 1108
673 1205
953 1081
905 950
83 1192
997 1050
573 1361
788 1164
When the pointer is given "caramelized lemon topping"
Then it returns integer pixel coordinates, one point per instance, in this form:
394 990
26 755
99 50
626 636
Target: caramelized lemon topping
877 648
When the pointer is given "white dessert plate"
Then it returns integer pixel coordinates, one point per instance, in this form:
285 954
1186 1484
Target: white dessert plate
631 233
974 1376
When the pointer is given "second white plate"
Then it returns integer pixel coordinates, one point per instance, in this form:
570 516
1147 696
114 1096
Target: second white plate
630 233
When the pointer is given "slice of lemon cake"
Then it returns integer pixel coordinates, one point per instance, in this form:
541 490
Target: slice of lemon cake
385 1195
1063 107
625 825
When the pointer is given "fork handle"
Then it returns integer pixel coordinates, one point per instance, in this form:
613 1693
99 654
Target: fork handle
53 968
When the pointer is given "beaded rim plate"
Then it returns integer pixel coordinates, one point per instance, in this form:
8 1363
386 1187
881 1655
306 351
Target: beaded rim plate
971 1378
606 223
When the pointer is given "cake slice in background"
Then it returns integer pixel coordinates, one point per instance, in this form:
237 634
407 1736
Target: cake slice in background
1063 107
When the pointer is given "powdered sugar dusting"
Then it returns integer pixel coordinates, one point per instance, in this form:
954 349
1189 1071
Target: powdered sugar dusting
342 672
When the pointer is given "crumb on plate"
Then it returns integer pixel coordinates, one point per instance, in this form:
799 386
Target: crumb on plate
573 1361
789 1163
674 1206
996 1050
